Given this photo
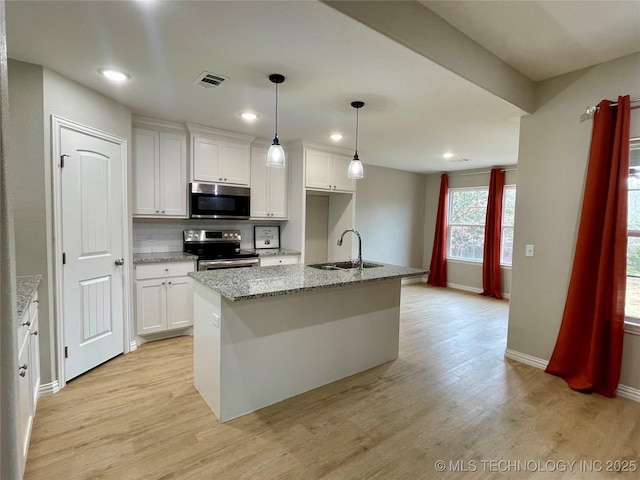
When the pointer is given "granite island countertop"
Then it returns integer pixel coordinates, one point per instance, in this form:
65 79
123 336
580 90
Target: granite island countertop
249 283
140 258
25 288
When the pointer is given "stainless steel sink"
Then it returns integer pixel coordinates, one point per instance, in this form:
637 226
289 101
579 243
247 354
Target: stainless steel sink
343 265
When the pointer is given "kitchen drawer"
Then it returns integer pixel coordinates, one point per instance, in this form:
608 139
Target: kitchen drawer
166 269
278 260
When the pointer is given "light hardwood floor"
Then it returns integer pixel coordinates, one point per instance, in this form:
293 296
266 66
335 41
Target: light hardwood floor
451 395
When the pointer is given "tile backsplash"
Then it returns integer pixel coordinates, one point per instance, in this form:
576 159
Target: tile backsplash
165 235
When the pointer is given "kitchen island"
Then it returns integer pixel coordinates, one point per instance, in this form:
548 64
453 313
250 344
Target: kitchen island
262 335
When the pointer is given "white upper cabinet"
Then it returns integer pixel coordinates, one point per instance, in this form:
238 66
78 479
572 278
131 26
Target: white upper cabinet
159 173
327 171
218 156
269 188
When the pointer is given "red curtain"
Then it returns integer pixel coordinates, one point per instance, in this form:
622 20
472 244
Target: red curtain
588 352
438 267
492 235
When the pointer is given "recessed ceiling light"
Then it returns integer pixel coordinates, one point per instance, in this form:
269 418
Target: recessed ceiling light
114 75
249 116
447 155
336 137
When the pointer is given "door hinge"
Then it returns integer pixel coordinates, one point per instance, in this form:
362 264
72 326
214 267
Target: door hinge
64 258
66 352
62 160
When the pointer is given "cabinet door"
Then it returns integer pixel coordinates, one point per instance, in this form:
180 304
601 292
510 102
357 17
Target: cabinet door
206 160
151 300
278 192
318 170
173 175
259 189
179 302
146 158
34 359
340 170
25 398
234 164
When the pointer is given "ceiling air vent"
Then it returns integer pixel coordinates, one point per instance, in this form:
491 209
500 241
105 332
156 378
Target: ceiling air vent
209 80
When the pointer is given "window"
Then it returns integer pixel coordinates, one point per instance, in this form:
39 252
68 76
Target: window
632 306
508 216
467 214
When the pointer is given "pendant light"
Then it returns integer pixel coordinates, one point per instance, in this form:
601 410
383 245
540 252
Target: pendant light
356 170
275 155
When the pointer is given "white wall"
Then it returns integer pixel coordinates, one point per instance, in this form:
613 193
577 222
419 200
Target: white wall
44 93
390 215
316 236
466 275
552 163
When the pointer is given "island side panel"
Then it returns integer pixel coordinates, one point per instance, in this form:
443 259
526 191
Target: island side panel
276 347
206 345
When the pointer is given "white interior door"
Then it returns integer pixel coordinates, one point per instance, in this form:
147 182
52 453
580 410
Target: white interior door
92 241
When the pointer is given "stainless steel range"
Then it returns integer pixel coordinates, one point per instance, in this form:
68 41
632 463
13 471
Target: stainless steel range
218 249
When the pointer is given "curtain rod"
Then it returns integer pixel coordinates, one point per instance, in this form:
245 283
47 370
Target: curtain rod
480 173
588 114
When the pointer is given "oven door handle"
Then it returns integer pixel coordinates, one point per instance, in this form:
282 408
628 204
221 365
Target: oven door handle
205 264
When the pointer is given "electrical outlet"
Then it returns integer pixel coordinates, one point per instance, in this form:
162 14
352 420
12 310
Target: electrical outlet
529 250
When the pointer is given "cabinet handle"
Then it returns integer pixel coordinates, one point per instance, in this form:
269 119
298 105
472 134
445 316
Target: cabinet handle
162 211
27 323
164 283
169 283
225 179
23 370
220 179
36 301
166 269
157 211
35 332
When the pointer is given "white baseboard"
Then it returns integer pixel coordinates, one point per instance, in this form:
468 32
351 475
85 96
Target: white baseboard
622 391
628 392
466 288
406 281
526 359
47 389
133 345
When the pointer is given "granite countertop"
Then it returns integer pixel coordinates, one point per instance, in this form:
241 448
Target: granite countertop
249 283
139 258
268 252
26 287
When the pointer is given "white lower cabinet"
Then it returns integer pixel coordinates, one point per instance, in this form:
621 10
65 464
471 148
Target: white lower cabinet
28 372
279 260
164 297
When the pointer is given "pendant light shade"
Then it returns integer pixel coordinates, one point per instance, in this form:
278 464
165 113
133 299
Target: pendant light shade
275 155
356 170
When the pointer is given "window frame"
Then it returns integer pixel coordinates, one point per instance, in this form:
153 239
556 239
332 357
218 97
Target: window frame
452 190
503 226
632 324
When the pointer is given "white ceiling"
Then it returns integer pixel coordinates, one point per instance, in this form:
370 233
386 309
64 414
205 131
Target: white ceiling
544 39
415 110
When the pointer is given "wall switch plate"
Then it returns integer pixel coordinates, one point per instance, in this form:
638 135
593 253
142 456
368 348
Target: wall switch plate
529 250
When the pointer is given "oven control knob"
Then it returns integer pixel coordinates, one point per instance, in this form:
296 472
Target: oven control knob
226 235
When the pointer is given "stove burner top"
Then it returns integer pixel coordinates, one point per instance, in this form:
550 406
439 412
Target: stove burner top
215 245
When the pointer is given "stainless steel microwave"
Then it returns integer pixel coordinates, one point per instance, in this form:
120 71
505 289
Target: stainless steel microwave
219 201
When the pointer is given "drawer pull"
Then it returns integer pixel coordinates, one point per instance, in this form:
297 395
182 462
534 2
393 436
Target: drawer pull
23 370
35 332
36 300
27 323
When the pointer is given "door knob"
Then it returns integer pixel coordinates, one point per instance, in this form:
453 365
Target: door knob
119 262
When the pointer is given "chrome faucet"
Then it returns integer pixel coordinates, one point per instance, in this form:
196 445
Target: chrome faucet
359 245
